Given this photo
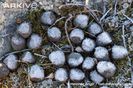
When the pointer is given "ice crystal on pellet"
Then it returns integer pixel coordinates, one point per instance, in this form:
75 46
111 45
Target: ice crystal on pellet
81 21
61 75
94 29
75 59
48 18
76 75
28 57
96 77
89 63
88 44
17 42
11 61
101 53
24 29
103 39
57 57
76 35
119 52
54 34
36 73
35 41
105 68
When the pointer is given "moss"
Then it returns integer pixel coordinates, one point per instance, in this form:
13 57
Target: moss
71 9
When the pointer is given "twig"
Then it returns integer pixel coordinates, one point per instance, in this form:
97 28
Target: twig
105 14
56 46
42 56
70 17
123 36
68 84
63 17
14 53
116 2
128 17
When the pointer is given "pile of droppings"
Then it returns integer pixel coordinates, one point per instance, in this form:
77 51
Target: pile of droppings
92 57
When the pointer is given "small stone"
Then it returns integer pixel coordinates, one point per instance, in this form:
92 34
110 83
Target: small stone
106 68
48 18
88 45
36 73
81 21
94 28
76 35
75 59
54 34
103 39
101 53
4 71
89 63
61 75
11 61
28 57
96 77
35 41
76 75
119 52
17 42
57 57
24 30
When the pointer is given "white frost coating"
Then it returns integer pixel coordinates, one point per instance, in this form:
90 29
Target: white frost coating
77 33
57 57
104 39
48 18
105 68
119 52
76 75
28 57
75 59
11 61
88 45
34 41
54 33
24 29
61 75
81 21
17 42
95 77
94 29
101 53
36 73
89 63
104 87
